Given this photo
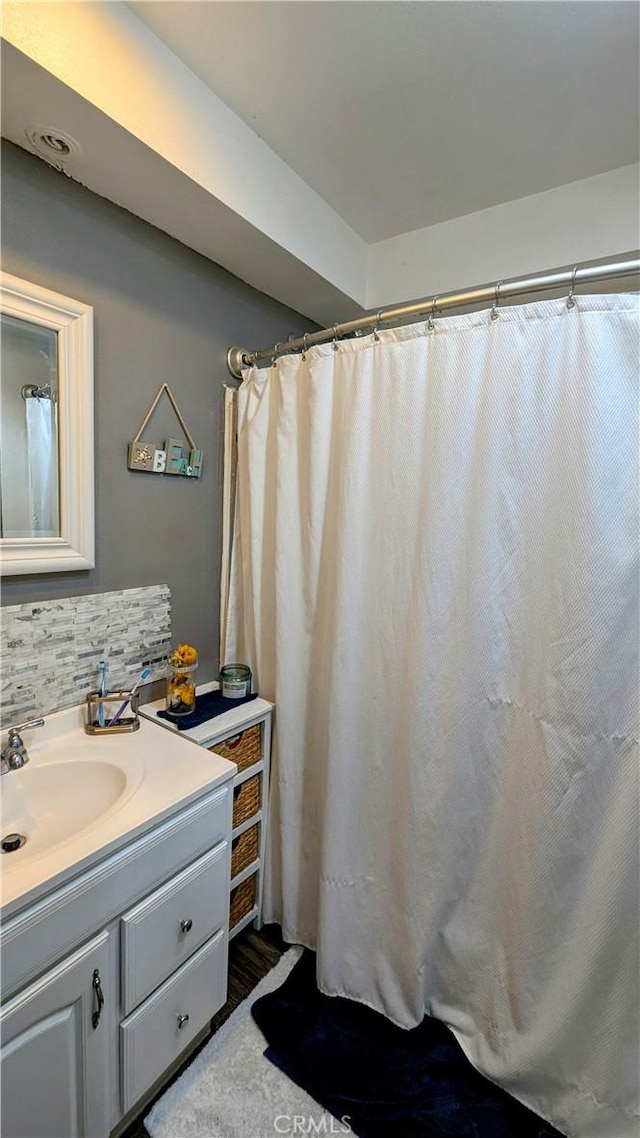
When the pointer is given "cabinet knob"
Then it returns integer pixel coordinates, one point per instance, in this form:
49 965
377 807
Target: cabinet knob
186 926
181 1022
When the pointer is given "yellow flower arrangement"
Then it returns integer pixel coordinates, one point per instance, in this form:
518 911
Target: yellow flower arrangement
181 684
182 693
184 656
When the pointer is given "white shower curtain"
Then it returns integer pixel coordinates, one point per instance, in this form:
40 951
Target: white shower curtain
435 579
42 467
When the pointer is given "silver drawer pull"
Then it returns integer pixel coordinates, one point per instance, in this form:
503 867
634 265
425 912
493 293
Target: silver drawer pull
181 1022
186 926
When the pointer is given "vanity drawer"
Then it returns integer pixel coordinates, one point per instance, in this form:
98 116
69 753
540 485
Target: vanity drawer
160 933
152 1038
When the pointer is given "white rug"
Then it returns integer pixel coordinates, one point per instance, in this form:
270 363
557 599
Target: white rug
231 1090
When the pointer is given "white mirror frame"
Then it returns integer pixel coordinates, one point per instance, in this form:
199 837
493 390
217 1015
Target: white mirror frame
73 322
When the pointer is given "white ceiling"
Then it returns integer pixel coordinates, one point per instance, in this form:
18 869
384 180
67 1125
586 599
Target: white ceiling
405 114
345 156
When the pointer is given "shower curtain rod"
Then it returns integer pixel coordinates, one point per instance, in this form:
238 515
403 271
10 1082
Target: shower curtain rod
238 358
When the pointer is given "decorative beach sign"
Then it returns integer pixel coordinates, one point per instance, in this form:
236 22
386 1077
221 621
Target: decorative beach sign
175 456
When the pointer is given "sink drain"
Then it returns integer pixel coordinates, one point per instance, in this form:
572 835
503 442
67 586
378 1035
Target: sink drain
12 842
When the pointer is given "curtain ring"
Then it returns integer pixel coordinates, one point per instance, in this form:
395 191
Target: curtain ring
335 337
495 315
430 322
304 345
274 358
376 327
570 301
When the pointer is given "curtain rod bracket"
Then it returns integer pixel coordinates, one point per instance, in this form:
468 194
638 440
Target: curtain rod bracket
237 358
32 391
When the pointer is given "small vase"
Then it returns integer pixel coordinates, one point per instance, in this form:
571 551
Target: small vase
181 689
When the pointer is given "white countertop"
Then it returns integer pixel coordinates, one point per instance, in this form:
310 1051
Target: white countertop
221 726
164 771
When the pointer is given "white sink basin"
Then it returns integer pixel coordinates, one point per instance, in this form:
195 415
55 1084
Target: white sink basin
50 803
80 797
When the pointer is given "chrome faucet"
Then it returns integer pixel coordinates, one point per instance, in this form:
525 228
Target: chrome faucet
14 755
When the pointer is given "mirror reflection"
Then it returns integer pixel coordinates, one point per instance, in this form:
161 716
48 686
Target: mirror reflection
29 484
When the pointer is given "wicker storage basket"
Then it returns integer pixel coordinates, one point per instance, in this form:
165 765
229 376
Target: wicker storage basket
246 800
244 850
244 749
241 901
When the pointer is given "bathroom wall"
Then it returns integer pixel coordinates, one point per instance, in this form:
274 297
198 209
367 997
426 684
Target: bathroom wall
162 314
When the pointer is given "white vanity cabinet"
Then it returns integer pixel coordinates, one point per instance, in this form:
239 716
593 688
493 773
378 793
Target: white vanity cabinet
243 736
111 977
56 1043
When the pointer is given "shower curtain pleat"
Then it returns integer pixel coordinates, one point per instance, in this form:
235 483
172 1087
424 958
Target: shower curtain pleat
435 578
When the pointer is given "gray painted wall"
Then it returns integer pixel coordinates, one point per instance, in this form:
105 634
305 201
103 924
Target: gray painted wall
162 313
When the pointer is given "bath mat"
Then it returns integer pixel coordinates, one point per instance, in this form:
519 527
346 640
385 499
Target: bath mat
231 1091
385 1080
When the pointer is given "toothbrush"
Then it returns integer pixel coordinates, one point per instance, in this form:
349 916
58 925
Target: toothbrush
145 676
103 667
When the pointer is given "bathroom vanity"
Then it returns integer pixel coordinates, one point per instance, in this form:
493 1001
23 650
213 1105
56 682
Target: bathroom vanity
114 922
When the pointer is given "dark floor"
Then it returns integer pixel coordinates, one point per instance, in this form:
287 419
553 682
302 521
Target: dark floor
251 955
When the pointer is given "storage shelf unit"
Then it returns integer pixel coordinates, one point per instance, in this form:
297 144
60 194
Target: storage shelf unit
243 735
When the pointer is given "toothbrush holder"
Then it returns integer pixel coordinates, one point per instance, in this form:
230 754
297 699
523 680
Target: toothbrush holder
111 701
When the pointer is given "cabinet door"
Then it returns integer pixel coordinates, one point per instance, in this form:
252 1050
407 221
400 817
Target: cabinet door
55 1051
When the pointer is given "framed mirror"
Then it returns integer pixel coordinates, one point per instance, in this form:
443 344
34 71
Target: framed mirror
46 430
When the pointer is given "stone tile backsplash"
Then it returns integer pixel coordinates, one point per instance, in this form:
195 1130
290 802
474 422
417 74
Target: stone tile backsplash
49 650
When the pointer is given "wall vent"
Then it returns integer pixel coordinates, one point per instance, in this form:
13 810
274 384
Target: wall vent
55 145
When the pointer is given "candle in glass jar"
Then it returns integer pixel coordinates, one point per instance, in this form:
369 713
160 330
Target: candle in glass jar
235 681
